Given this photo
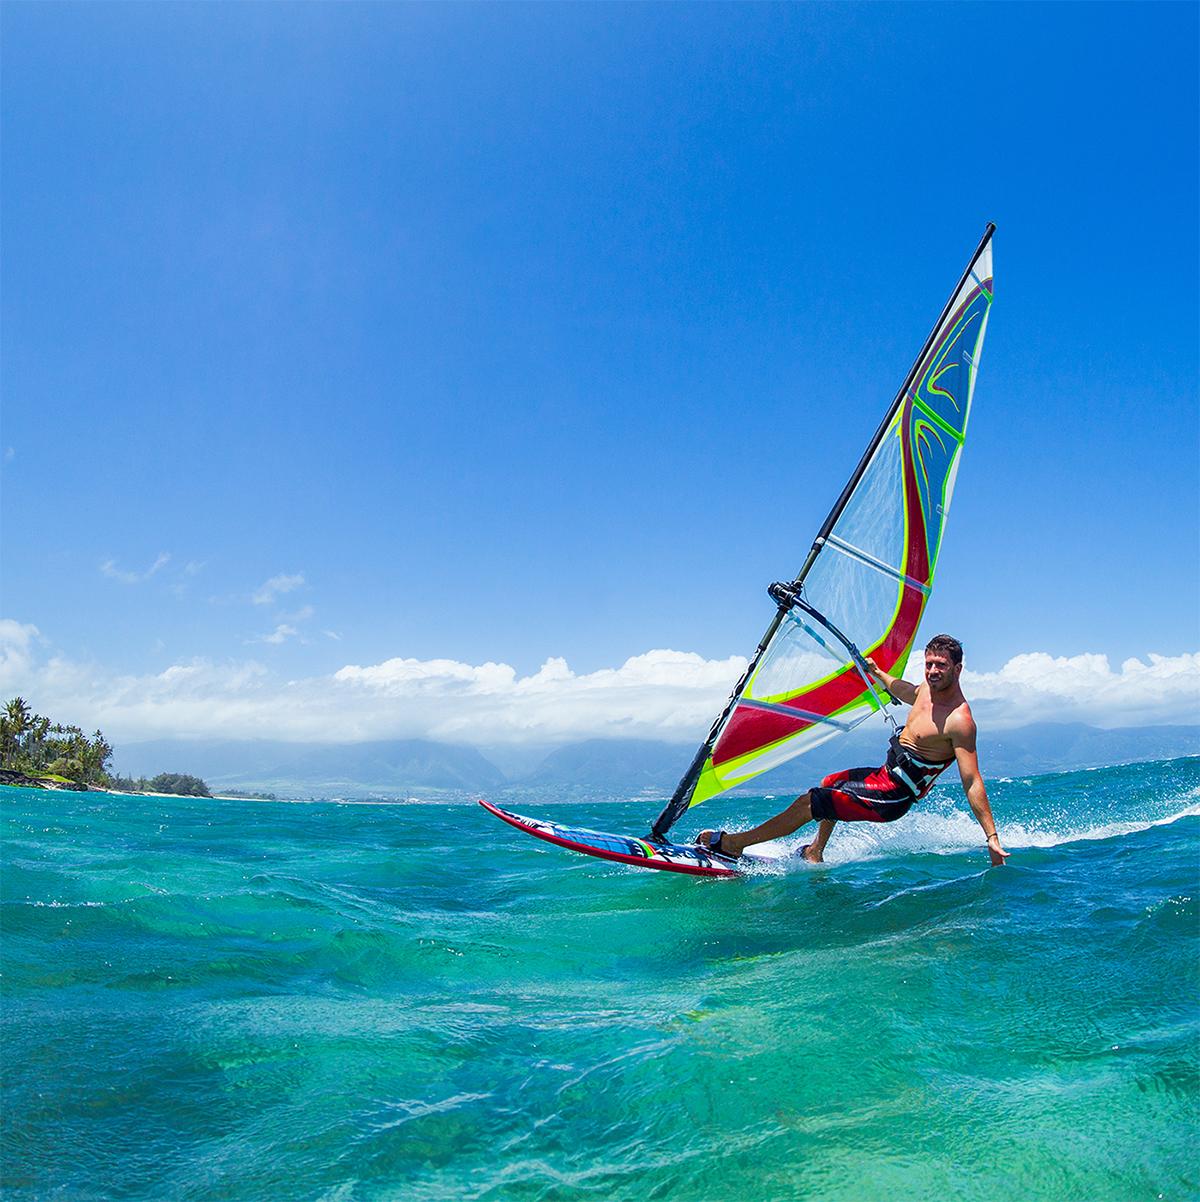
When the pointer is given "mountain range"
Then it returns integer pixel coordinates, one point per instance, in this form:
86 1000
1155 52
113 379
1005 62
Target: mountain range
615 767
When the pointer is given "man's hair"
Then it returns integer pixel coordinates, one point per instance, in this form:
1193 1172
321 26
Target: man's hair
945 644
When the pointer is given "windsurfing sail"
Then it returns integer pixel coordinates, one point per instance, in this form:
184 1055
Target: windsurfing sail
867 578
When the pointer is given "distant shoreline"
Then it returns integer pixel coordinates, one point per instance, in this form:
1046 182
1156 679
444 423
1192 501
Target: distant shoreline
11 779
55 786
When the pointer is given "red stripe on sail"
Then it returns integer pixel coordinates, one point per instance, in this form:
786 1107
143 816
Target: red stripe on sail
750 728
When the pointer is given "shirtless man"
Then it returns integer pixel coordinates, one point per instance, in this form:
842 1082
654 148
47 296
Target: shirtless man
939 731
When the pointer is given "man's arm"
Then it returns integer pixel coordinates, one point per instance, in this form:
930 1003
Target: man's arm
900 689
976 791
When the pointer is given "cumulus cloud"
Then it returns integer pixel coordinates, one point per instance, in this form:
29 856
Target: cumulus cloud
398 677
1040 687
275 587
109 568
16 650
661 694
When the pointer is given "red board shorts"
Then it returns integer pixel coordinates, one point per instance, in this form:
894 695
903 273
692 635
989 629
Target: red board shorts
862 795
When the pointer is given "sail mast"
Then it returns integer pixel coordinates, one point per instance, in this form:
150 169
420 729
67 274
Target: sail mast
681 798
675 808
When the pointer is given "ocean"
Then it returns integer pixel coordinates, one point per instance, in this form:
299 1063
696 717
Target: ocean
245 1000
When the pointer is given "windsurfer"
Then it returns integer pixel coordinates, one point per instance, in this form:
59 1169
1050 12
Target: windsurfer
940 731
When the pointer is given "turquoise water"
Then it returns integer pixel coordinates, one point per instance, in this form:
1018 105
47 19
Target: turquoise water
254 1000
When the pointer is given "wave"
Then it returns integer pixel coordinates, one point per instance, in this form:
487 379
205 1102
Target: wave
953 831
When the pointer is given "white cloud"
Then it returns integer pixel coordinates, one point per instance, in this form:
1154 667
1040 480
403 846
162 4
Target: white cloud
276 586
397 677
661 694
280 634
16 651
287 627
109 568
1040 687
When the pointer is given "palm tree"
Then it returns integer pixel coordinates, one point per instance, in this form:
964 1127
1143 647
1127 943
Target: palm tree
35 749
98 755
14 725
18 713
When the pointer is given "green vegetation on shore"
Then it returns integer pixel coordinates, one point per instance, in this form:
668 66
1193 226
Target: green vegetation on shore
34 749
37 747
179 782
164 782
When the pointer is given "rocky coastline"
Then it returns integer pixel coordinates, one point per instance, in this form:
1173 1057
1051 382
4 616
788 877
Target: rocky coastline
9 776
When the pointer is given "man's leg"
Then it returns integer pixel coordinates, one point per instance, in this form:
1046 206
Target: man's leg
814 852
784 823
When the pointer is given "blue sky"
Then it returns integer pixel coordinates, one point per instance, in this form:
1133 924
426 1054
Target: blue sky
515 334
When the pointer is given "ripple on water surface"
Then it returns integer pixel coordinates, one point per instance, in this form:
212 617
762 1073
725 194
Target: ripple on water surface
256 1001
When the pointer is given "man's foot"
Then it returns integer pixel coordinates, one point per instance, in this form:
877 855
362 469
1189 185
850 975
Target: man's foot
714 841
812 854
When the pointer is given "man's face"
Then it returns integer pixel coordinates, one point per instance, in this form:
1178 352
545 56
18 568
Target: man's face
940 672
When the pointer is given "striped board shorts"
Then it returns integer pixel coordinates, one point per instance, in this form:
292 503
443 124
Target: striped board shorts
876 794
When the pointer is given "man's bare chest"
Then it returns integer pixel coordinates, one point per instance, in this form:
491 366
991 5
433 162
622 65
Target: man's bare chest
926 731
